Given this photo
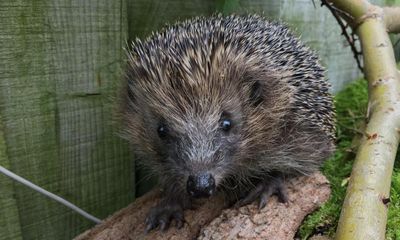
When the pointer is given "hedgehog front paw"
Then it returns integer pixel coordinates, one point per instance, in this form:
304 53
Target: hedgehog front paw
263 191
162 215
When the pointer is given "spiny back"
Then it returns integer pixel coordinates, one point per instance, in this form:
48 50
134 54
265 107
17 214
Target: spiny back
269 45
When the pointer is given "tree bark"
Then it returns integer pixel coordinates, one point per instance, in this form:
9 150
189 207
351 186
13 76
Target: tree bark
392 19
210 221
364 211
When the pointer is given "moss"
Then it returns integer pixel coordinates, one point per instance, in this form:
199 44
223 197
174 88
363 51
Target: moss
393 230
351 108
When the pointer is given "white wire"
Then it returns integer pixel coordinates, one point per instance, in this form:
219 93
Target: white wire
48 194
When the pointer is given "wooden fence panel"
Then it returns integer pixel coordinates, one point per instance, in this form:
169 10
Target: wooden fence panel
60 65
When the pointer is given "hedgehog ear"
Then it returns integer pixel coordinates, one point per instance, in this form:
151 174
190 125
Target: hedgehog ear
256 93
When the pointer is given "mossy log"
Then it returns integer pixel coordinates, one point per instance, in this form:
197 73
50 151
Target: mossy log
364 212
209 220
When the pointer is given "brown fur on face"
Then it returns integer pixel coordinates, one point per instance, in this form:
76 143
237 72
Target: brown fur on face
255 73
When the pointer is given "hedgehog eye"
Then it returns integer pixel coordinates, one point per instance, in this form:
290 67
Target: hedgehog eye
226 125
162 131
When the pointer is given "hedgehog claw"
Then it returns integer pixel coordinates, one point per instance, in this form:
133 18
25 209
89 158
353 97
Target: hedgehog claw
162 215
263 191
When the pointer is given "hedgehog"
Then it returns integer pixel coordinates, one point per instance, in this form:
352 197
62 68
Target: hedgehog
225 104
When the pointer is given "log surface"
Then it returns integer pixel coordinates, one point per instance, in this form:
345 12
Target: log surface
210 221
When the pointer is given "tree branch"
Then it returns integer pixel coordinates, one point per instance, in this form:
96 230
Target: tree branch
364 211
210 221
340 16
392 19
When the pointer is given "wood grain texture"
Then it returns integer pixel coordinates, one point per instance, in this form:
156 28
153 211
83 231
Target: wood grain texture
60 62
10 226
209 220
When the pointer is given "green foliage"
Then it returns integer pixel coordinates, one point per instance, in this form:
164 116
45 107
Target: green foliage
393 229
392 2
351 107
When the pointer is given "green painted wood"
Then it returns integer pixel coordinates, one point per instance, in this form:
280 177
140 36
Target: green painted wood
60 65
227 6
145 16
10 226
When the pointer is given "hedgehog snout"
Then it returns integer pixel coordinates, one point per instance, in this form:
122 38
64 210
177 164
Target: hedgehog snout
201 185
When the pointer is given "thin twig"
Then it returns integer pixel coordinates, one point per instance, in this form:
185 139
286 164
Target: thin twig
351 39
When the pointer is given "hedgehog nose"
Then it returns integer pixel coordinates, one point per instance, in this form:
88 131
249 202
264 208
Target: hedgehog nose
202 185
